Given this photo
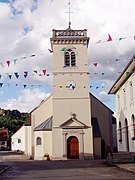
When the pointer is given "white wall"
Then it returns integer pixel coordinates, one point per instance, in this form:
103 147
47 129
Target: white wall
20 134
24 134
125 111
46 144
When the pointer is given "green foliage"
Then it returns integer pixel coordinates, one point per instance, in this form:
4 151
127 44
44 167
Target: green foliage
12 120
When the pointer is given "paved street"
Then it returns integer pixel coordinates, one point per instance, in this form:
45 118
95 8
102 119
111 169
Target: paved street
64 170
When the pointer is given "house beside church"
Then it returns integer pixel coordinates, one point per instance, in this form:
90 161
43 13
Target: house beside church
71 123
124 90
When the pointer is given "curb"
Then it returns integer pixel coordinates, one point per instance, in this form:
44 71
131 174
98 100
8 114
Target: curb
6 168
126 169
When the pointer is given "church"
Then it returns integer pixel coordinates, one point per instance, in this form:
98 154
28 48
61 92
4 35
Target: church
71 123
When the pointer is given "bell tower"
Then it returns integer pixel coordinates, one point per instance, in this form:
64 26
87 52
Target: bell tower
71 100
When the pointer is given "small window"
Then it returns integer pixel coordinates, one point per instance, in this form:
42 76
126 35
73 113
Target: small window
38 142
19 140
70 58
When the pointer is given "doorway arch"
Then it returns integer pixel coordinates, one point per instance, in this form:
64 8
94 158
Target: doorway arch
72 148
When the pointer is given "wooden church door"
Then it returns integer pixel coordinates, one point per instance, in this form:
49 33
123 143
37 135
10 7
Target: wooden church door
72 148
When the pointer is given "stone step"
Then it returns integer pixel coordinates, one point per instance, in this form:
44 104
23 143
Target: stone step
123 157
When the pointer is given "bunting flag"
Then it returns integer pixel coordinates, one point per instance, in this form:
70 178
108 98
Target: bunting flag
8 63
63 49
15 61
85 44
103 73
1 84
97 87
25 74
24 86
24 57
122 38
35 71
51 51
95 64
0 76
44 72
9 76
17 75
117 60
33 55
127 73
109 38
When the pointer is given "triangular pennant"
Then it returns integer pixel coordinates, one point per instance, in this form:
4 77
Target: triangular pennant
122 38
17 75
95 64
24 85
33 55
8 63
25 74
9 76
48 74
16 84
24 57
127 73
0 76
1 84
103 73
91 86
85 44
109 38
40 74
15 61
117 60
97 87
63 49
51 51
44 71
35 71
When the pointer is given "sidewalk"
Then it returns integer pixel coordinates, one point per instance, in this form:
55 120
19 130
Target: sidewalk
127 166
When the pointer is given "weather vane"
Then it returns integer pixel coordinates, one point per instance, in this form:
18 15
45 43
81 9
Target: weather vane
69 12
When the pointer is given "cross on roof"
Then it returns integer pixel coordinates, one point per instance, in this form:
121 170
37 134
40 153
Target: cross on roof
69 12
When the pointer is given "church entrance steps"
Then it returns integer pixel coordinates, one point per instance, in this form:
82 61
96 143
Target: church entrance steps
123 157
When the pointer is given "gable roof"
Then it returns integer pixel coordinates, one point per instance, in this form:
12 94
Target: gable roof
73 123
122 78
101 103
45 126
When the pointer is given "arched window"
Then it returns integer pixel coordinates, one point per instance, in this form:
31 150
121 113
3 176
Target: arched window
38 141
120 132
133 124
70 58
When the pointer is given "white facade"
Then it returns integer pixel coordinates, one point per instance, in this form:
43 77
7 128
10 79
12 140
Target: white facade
21 140
124 88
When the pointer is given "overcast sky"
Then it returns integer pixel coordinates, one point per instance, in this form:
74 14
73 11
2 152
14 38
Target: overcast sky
25 31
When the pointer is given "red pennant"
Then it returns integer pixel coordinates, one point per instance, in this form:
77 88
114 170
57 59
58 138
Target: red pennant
44 71
109 38
95 64
51 51
8 63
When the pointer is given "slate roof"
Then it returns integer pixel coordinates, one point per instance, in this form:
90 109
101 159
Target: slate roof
45 126
96 129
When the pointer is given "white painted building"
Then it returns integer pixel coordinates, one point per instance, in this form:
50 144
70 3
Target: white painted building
63 125
21 140
124 90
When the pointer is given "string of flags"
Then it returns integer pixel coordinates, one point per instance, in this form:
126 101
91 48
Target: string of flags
109 39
